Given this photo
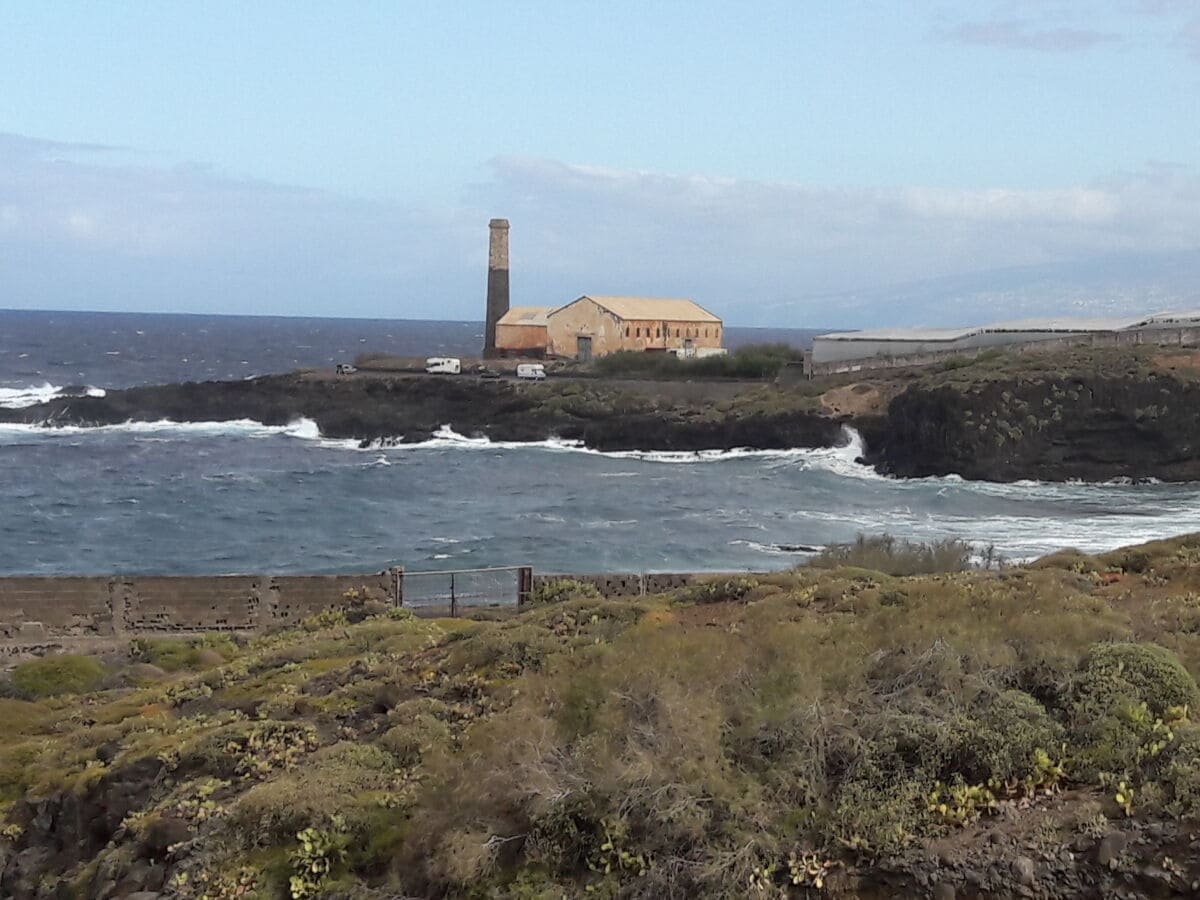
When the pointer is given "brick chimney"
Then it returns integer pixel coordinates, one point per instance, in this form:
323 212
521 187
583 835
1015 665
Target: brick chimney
497 283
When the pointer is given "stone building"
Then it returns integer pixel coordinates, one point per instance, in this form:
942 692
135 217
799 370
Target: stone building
522 331
598 325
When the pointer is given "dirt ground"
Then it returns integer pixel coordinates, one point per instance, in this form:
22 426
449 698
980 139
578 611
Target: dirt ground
853 400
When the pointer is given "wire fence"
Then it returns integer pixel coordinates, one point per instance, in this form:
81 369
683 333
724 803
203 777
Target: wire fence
454 591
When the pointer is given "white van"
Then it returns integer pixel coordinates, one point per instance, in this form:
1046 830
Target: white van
532 371
443 365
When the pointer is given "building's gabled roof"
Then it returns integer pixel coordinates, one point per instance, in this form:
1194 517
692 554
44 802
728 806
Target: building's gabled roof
652 308
526 315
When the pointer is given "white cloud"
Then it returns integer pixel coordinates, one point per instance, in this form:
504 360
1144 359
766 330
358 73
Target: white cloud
83 234
1019 35
1070 26
749 245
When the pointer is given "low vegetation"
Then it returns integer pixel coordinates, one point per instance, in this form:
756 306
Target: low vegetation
776 735
884 553
54 675
752 361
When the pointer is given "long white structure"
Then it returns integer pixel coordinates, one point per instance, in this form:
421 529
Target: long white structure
849 346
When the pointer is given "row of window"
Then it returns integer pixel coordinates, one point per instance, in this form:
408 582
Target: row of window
688 332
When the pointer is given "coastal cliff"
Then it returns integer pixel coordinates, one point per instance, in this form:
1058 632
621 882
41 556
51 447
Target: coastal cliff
605 414
1089 415
1137 417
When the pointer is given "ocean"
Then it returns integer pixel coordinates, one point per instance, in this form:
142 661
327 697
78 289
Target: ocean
207 498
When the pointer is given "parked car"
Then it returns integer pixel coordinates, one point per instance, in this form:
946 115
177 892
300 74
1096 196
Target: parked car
346 369
531 371
443 365
488 374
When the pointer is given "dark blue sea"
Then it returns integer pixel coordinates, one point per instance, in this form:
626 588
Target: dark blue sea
241 497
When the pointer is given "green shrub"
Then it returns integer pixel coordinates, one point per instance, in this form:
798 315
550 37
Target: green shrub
1120 698
715 590
1136 561
51 675
417 734
874 814
339 782
1180 775
758 361
886 554
176 654
508 649
1118 675
1001 740
560 589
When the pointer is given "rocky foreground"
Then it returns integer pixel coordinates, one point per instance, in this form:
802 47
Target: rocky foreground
1091 415
834 730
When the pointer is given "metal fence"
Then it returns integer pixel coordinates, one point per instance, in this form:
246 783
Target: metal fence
453 591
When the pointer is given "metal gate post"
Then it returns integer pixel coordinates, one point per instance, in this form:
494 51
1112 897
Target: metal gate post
524 584
397 585
453 600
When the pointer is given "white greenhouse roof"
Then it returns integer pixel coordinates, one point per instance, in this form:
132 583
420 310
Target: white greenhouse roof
1064 325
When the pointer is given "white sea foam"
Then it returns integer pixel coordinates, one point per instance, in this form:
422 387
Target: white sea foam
166 429
21 397
842 459
17 398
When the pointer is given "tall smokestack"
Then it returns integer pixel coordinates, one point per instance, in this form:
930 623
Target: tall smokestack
497 283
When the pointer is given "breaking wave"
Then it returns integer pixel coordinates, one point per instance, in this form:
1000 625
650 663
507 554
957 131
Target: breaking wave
21 397
842 459
166 429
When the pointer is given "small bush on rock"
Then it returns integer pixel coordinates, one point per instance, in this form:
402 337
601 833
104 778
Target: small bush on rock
51 675
561 589
1122 694
716 590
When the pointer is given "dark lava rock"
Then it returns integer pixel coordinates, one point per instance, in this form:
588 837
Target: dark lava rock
162 833
1111 847
1089 425
943 891
388 697
1023 870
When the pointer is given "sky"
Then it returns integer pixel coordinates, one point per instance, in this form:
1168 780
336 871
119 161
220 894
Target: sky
783 163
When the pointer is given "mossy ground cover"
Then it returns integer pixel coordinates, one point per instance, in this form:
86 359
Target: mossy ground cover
756 736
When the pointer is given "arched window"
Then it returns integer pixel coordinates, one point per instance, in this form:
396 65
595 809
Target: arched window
626 331
658 331
706 332
676 332
639 332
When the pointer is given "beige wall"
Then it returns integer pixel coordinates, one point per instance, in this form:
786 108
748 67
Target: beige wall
662 335
518 338
610 334
586 318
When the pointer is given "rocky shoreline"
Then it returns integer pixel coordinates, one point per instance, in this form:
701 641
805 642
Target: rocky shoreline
1104 417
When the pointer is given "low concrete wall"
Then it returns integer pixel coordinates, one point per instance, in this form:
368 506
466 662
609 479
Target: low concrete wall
38 610
71 607
50 614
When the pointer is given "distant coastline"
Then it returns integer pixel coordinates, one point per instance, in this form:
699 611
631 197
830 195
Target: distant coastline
1092 415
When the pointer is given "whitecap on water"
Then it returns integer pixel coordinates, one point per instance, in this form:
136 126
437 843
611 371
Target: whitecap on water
17 398
841 460
31 395
165 429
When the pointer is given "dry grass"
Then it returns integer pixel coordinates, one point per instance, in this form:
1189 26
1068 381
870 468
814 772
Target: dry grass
668 746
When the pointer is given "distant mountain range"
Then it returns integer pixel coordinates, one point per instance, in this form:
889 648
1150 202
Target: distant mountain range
1111 285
